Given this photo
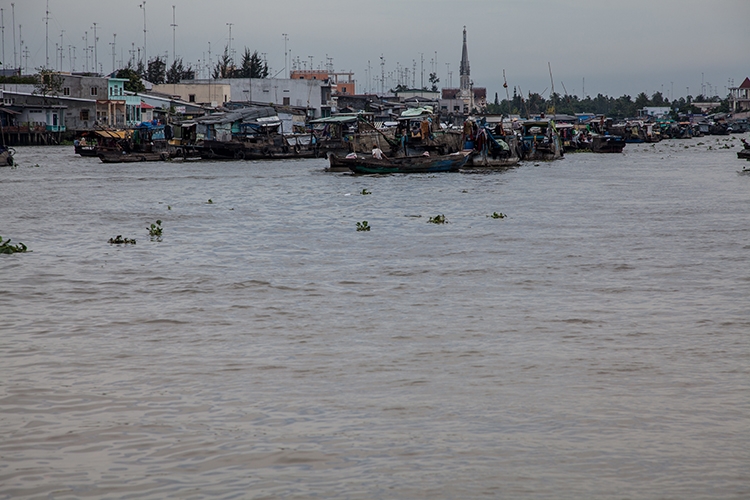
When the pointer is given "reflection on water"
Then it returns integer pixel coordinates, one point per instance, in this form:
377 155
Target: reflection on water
592 344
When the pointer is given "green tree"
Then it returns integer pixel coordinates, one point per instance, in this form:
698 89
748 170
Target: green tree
658 100
157 70
134 83
642 100
434 80
177 72
141 70
225 67
47 83
253 66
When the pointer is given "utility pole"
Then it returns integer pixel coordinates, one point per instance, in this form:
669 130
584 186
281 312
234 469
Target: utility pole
96 57
174 28
46 37
2 28
286 39
143 6
86 51
382 74
229 46
421 70
13 14
62 47
114 44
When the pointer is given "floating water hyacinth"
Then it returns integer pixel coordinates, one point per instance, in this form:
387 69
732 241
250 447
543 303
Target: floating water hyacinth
119 240
7 248
363 226
438 219
155 230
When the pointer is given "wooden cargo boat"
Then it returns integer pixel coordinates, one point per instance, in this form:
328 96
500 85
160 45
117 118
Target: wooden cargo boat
607 144
133 157
540 141
402 165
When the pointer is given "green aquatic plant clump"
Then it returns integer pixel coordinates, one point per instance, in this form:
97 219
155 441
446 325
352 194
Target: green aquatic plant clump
363 226
7 248
155 230
119 240
496 215
364 192
438 219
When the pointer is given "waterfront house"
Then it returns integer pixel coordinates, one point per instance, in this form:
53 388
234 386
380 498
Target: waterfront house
313 96
121 108
739 97
31 119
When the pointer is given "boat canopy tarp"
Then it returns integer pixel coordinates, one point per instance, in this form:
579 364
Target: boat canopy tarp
342 118
111 134
411 113
243 115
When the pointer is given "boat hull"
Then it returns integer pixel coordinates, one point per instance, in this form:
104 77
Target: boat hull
405 165
6 158
487 161
132 157
607 144
86 150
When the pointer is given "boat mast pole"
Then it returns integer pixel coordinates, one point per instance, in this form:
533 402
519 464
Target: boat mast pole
553 86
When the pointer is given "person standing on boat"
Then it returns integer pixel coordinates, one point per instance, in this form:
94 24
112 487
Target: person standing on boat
377 153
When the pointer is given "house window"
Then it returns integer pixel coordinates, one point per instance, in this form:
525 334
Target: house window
191 97
286 101
66 90
84 115
94 91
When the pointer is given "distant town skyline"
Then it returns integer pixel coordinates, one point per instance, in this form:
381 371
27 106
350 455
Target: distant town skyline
592 47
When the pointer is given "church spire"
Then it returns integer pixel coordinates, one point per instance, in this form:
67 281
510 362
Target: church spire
465 72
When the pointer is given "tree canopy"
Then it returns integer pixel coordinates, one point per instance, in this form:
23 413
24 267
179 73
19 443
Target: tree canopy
47 83
178 72
252 66
134 83
621 107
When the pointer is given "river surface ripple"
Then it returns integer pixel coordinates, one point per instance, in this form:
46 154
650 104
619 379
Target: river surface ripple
593 344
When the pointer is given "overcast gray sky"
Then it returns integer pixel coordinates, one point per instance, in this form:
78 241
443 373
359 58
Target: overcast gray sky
612 47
